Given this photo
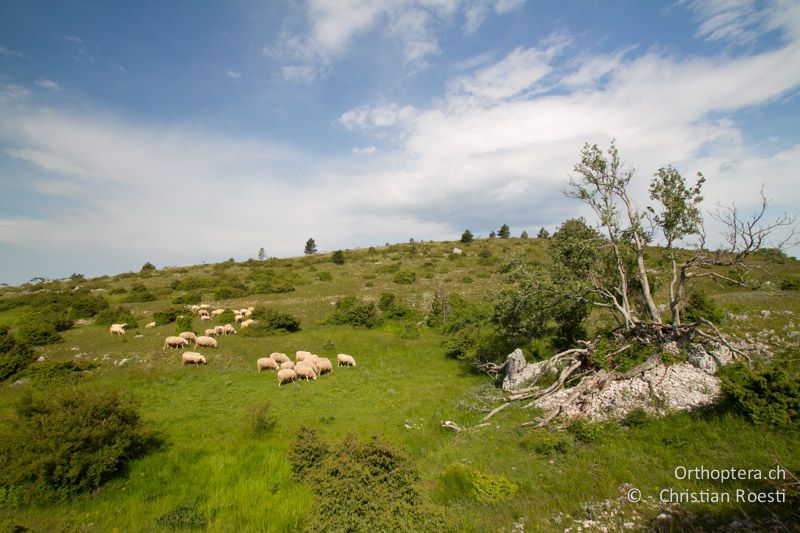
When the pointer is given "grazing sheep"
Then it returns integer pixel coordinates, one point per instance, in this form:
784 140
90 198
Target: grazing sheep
247 323
301 355
305 371
227 329
211 332
266 362
345 360
237 317
278 357
247 313
217 312
208 342
202 312
324 366
175 342
194 308
150 325
287 364
205 318
118 329
193 358
220 330
205 306
251 309
188 335
286 375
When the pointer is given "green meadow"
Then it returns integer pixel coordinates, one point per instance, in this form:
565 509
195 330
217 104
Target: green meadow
213 470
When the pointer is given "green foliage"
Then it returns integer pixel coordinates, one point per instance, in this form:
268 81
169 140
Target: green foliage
188 298
504 232
768 395
14 356
789 283
118 315
470 333
183 323
338 257
636 418
604 355
36 331
58 372
226 317
355 312
269 321
410 331
543 234
85 306
227 292
523 235
310 248
679 212
148 267
467 236
325 276
587 431
139 294
192 283
183 517
545 442
492 234
68 441
274 286
363 486
700 306
117 290
262 419
167 316
405 277
391 306
460 480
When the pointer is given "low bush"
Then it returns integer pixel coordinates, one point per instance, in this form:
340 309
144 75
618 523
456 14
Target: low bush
118 315
14 356
700 306
355 312
227 292
391 306
460 481
405 277
183 517
36 331
86 306
58 372
270 321
789 283
188 298
364 486
338 257
139 294
545 442
226 317
587 431
183 323
262 418
167 316
68 441
768 395
325 276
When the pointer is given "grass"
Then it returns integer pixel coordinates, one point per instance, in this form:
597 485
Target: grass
213 472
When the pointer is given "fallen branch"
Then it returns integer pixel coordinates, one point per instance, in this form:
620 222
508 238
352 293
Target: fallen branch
495 411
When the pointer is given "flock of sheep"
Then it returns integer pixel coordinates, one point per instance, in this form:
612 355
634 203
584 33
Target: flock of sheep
306 365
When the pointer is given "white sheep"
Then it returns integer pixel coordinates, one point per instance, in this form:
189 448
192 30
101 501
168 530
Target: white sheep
208 342
211 332
217 312
202 312
118 329
278 357
188 335
205 318
324 366
266 362
219 330
194 308
251 309
301 355
238 317
247 313
193 358
305 371
287 375
345 360
175 342
205 306
228 329
247 323
150 325
287 364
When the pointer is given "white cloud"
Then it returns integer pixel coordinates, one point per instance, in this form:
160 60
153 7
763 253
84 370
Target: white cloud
298 73
13 53
234 75
72 39
366 150
48 84
381 116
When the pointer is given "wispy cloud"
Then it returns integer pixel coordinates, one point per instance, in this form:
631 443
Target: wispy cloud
77 51
48 84
13 53
234 75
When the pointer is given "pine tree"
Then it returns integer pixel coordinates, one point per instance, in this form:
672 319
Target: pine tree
311 247
543 234
504 232
338 257
524 234
261 254
492 234
466 236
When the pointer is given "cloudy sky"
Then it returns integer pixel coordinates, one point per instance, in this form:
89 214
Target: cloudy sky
175 132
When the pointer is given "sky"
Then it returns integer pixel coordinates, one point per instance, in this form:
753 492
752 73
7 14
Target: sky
187 132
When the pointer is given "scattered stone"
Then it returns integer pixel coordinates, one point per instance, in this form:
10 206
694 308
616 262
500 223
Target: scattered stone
41 358
121 362
139 336
457 251
765 313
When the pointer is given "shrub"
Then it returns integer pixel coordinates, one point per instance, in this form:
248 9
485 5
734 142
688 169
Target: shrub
188 298
183 323
768 395
119 315
183 517
350 310
586 431
789 283
467 279
460 480
117 290
167 316
68 441
148 267
226 317
405 277
228 291
410 331
546 442
139 294
325 276
364 486
391 306
467 236
14 356
700 306
262 419
86 306
62 372
270 321
338 257
36 331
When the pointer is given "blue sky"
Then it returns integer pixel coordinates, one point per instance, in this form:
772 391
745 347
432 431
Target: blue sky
183 132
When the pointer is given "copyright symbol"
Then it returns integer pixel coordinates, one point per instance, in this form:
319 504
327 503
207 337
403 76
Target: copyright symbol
634 495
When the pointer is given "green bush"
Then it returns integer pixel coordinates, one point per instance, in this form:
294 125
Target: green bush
117 290
269 321
262 418
768 395
587 431
58 372
355 312
188 298
701 306
789 283
139 294
183 323
228 292
364 486
338 257
148 267
119 315
545 442
86 306
410 331
68 441
167 316
183 517
460 481
405 277
14 356
325 276
226 317
37 332
391 306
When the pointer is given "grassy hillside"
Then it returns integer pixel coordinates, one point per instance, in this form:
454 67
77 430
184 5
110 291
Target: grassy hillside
212 471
